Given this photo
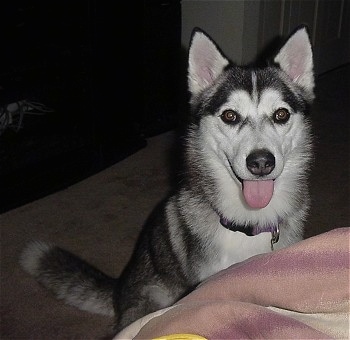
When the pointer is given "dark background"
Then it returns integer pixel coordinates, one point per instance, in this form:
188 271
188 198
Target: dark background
110 73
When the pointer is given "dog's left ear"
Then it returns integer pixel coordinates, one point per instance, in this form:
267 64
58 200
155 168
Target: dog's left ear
296 59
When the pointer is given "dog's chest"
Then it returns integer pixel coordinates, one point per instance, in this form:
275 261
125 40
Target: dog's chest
230 247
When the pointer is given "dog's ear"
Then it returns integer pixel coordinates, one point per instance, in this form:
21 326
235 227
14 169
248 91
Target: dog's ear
296 59
205 62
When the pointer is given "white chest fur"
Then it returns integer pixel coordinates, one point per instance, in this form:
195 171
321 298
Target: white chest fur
229 247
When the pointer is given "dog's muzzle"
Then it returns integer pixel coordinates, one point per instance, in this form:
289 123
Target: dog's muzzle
258 192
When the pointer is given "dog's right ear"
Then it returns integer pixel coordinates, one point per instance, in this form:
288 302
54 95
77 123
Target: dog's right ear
205 62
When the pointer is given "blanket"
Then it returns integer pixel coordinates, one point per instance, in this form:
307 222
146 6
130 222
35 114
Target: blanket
299 292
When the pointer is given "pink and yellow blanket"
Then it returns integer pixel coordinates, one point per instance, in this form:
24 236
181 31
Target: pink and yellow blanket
300 292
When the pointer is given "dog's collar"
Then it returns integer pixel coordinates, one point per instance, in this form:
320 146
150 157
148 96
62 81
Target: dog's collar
253 230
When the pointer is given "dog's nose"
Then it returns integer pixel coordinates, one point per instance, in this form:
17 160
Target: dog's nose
260 162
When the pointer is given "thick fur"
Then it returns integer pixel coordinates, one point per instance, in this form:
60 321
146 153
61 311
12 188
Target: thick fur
184 241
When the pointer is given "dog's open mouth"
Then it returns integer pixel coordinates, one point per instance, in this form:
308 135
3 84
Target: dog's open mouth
257 193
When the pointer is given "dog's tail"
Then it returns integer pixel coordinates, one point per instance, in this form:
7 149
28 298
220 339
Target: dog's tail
71 279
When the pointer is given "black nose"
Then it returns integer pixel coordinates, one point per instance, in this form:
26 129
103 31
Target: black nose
260 162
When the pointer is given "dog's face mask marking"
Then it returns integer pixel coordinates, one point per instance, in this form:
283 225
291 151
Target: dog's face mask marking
256 144
253 114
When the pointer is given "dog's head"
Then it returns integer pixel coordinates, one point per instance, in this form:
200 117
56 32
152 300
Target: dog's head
253 120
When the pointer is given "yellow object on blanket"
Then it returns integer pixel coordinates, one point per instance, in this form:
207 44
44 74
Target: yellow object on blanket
180 337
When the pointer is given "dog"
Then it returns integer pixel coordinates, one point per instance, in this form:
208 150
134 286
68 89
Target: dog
247 154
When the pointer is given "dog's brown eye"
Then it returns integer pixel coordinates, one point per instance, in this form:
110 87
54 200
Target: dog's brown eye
230 117
281 116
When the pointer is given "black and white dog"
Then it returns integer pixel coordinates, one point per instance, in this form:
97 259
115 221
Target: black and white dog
247 152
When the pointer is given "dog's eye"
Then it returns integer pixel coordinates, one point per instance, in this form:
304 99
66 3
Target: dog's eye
281 116
230 117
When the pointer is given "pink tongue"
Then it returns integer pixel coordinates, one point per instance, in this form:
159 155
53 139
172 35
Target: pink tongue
258 193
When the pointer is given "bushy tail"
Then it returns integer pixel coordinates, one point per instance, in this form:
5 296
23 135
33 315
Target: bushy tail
69 278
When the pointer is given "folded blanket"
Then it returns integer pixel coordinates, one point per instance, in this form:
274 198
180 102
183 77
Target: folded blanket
299 292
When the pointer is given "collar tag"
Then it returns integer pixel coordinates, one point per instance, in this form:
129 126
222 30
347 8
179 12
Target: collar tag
275 235
251 230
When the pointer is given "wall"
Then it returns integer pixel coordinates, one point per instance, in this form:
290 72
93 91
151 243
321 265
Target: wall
243 29
232 24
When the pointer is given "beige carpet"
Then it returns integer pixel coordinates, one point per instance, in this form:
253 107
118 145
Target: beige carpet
100 217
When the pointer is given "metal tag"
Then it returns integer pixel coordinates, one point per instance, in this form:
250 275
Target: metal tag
275 235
